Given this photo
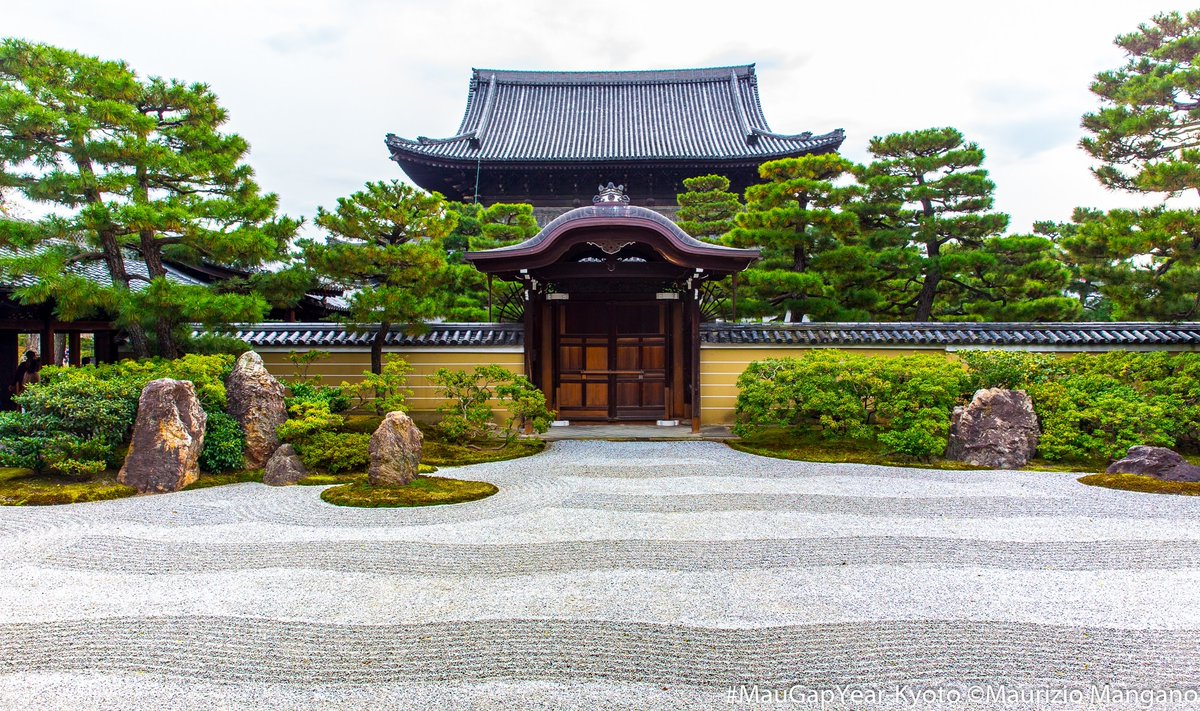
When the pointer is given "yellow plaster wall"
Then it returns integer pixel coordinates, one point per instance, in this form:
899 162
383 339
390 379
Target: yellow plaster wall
349 364
720 367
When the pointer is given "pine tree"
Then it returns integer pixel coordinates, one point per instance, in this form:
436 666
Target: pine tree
707 209
385 246
799 221
931 194
1146 134
59 114
144 169
1084 285
1147 137
194 200
1146 262
479 228
1012 278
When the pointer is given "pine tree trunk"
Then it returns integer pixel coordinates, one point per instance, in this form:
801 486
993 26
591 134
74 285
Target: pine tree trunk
933 276
167 348
377 347
114 258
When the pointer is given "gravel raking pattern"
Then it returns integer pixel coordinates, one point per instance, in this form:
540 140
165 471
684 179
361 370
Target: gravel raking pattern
609 575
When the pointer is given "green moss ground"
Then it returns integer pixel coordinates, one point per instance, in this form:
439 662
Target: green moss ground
422 491
207 480
1141 484
322 479
22 487
445 454
806 447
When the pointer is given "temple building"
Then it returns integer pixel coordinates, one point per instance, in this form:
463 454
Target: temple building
549 138
612 292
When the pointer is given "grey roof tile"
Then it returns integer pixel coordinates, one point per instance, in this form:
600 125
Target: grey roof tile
979 335
954 334
532 117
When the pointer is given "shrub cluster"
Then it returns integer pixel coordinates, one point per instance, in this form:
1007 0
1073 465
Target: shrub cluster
1090 406
336 452
1096 406
76 420
468 417
315 422
904 403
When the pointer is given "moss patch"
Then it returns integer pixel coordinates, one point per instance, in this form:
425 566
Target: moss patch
364 424
207 480
21 487
445 454
1142 484
810 447
322 479
422 491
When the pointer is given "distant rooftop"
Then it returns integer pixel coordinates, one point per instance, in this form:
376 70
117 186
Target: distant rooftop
711 114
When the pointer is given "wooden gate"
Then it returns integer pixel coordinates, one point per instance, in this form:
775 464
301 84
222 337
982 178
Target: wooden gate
611 360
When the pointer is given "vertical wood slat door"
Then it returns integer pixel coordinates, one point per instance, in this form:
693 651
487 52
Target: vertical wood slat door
611 360
583 337
640 362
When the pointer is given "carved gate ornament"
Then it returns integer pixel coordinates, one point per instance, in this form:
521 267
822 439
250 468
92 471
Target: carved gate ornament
610 245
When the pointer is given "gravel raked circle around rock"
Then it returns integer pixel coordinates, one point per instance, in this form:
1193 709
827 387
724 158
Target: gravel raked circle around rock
611 575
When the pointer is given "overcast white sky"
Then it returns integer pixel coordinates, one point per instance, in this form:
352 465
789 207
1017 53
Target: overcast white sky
314 86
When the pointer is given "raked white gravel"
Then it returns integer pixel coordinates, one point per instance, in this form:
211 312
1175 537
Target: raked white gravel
610 575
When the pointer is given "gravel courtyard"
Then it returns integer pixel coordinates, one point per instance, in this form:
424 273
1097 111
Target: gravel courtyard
612 575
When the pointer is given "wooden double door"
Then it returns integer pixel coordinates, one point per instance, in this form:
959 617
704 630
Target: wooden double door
612 360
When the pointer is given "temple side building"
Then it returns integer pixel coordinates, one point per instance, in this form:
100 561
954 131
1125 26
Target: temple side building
549 138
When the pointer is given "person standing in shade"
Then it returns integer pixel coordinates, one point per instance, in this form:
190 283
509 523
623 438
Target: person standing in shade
28 372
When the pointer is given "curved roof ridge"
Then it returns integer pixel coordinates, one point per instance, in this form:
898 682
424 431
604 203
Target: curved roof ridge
621 76
634 211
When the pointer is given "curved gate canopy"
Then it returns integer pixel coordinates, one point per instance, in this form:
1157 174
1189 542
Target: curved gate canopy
613 241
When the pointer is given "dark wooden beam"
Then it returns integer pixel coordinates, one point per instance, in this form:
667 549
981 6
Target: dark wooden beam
695 359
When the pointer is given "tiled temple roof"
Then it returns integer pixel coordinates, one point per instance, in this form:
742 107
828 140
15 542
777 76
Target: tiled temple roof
564 117
881 335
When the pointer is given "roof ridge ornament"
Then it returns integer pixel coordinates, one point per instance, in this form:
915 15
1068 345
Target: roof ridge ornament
611 194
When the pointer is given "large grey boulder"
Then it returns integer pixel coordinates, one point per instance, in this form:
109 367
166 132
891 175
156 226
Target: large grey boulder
255 400
284 467
164 454
998 429
395 451
1158 462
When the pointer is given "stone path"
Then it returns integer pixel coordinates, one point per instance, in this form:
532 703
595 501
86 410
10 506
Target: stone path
613 575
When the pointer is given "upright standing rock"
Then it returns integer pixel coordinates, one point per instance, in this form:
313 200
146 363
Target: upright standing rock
255 400
164 454
999 429
395 451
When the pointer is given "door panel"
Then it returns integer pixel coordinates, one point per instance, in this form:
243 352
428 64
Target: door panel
611 360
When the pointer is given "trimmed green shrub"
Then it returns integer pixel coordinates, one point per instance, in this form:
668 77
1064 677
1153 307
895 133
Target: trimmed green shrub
76 458
306 419
21 451
468 416
383 392
336 452
1095 406
77 419
73 401
1015 370
903 403
334 397
224 444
